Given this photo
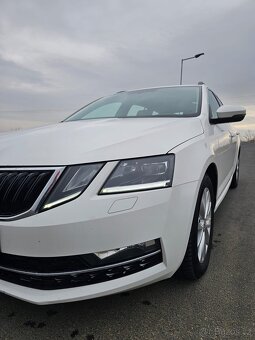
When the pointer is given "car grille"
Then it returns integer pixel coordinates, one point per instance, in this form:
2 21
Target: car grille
19 189
70 271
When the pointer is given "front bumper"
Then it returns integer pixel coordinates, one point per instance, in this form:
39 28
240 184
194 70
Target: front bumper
93 223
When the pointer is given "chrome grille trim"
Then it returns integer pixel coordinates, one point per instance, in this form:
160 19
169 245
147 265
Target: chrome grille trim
57 171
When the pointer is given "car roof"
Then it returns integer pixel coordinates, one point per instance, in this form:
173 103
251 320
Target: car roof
161 87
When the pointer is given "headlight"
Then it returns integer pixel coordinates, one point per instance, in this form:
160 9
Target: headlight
140 174
72 183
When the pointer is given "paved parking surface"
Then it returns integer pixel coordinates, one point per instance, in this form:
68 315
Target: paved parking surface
220 305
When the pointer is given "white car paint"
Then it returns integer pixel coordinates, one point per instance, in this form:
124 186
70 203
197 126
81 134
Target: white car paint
227 111
95 140
93 223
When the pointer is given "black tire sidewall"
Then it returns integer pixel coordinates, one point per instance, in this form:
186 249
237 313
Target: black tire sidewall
235 178
198 267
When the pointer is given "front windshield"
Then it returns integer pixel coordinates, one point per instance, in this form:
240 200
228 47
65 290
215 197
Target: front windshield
181 101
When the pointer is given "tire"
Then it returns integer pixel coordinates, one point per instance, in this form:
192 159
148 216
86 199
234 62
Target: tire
197 256
235 179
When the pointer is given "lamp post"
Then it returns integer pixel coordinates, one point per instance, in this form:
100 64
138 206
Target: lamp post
195 56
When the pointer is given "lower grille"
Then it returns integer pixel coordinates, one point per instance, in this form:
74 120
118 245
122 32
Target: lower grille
69 271
19 190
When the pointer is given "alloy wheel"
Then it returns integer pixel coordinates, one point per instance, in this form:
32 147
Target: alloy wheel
204 225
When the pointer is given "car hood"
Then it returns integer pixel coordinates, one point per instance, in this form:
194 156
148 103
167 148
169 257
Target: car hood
95 140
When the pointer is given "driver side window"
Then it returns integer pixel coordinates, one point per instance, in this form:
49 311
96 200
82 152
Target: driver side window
213 105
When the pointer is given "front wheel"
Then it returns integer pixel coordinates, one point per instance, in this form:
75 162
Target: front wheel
199 247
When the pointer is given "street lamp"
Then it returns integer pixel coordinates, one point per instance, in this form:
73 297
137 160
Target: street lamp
195 56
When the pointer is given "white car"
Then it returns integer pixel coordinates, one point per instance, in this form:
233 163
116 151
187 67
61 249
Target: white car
119 195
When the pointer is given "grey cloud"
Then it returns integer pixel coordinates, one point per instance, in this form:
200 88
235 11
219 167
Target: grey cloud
73 52
12 74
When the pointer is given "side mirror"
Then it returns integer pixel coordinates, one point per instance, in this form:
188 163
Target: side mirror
229 114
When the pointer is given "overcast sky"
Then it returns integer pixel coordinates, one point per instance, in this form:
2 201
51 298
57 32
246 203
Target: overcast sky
55 56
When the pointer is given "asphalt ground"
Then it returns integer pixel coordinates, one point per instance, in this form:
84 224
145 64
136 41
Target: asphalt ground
221 305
